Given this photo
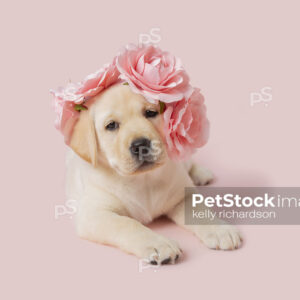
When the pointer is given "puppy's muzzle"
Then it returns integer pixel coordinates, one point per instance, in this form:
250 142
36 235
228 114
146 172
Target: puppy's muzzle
141 148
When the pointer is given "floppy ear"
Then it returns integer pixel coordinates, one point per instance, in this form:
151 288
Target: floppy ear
84 141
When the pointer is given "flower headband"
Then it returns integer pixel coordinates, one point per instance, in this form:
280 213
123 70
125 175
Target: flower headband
159 77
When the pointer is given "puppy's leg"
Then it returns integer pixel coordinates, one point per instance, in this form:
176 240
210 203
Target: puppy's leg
199 175
219 236
131 236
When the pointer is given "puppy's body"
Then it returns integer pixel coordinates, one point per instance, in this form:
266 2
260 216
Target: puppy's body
118 191
143 197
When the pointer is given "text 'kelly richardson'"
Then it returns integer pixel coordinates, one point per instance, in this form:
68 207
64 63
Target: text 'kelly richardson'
242 205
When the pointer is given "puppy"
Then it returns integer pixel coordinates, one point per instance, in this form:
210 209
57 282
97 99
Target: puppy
120 174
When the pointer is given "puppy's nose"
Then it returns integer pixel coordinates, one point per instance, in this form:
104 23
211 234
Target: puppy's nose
140 146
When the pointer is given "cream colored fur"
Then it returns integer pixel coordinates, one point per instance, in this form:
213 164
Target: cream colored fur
117 196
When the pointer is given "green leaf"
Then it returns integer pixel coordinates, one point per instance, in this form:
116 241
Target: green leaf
162 106
125 83
80 107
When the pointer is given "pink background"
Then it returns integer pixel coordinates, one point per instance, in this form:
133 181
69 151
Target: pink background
230 49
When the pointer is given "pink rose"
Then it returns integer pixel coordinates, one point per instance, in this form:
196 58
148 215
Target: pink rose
94 83
156 74
69 100
186 126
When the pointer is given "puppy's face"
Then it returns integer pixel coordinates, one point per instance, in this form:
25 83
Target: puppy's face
127 129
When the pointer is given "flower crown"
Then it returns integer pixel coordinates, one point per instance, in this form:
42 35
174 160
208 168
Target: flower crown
159 77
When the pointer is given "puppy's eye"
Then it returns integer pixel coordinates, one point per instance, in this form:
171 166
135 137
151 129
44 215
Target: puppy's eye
151 113
112 126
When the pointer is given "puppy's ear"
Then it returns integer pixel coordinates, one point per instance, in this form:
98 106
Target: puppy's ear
84 140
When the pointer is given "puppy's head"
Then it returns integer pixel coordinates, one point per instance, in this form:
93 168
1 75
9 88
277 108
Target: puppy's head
122 130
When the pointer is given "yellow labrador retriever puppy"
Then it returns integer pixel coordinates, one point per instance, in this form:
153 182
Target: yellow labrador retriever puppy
122 178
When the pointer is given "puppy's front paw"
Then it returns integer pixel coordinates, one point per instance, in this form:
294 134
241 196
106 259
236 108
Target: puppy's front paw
200 175
162 251
220 237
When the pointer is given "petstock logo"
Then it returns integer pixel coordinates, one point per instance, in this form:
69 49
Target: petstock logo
242 205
